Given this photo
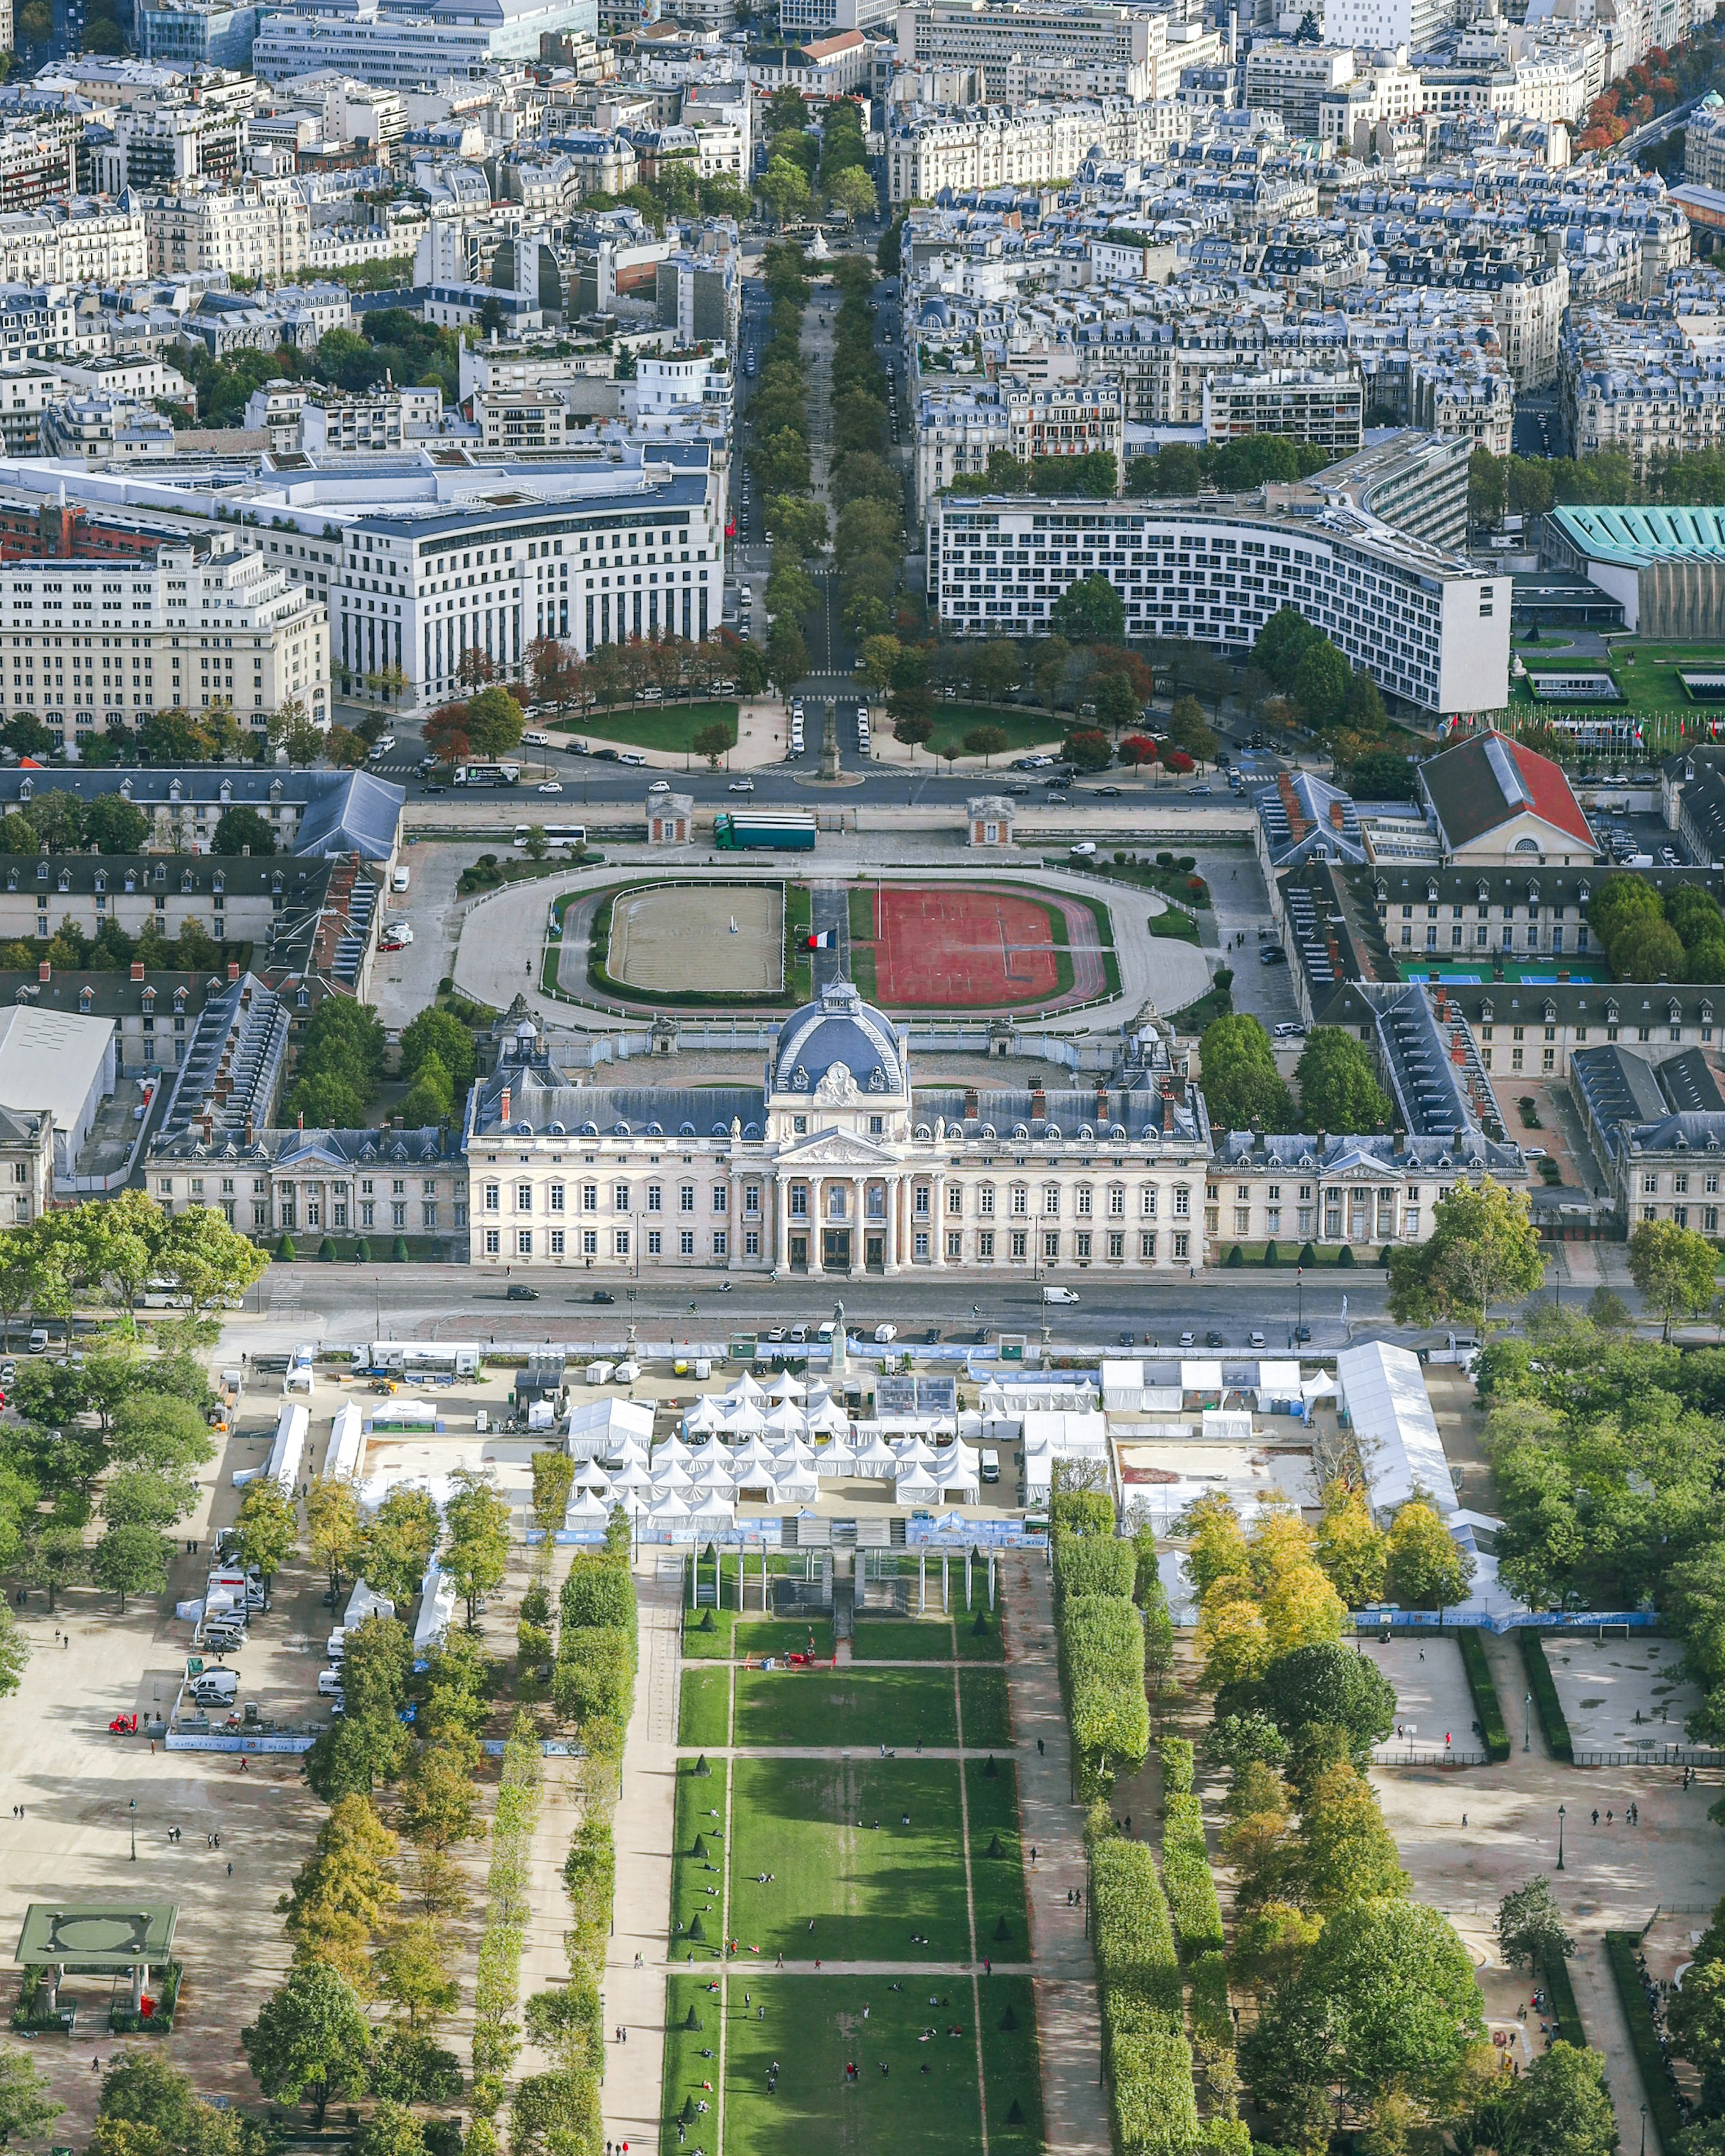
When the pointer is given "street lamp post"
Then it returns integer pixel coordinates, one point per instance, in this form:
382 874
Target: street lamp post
1644 2130
1560 1837
1299 1305
132 1810
1528 1723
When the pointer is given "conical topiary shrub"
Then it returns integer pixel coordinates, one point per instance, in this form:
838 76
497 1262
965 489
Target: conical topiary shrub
990 1770
1384 1257
362 1252
708 1623
284 1250
1015 2116
326 1250
700 1848
994 1848
1307 1256
1002 1930
1344 1256
1009 2019
398 1250
701 1767
1272 1256
981 1619
1236 1256
697 1930
691 2020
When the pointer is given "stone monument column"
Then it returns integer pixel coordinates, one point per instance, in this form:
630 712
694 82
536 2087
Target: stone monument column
829 740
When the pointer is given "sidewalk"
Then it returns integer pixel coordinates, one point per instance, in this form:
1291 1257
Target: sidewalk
645 1826
1068 2012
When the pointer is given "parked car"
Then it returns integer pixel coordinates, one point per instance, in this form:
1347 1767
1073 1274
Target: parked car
549 786
1256 1340
1059 1294
885 1335
516 1292
1213 1339
603 1294
1272 954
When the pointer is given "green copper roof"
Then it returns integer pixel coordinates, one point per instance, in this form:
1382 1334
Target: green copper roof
1633 537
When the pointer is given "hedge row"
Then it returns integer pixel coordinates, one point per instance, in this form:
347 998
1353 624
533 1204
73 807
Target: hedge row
1095 1564
496 2032
1565 2013
1101 1657
1176 1755
1130 1926
1155 2112
1486 1709
1544 1690
1620 1949
1212 2014
1186 1876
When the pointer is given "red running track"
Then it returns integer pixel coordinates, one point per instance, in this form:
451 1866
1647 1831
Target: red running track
971 948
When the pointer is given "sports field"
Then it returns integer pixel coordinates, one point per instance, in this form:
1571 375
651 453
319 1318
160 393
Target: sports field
676 936
848 1937
973 946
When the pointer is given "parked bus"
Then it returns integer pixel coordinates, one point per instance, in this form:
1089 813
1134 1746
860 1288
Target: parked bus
559 835
487 774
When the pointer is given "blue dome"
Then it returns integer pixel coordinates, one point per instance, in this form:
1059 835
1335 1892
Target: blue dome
841 1032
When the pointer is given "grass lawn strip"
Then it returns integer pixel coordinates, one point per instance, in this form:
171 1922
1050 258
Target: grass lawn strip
704 1719
861 1708
814 2026
997 1881
987 1718
831 1835
698 1881
779 1636
669 728
976 2004
901 1640
686 2070
1023 729
1012 2065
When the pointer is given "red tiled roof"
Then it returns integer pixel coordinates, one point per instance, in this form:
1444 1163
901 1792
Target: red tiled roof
1554 801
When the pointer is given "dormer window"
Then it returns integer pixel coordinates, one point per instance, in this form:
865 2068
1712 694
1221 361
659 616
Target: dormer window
86 997
42 872
63 881
227 793
160 873
179 999
149 999
1482 892
1431 890
26 789
185 879
174 790
132 879
218 882
102 879
126 788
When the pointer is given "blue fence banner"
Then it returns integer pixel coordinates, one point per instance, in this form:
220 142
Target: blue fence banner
175 1742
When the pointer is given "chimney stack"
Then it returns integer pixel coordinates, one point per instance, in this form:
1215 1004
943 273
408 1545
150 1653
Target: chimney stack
250 1132
233 969
44 972
137 969
503 1109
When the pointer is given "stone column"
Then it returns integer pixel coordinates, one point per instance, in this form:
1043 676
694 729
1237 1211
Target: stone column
891 1252
937 1199
858 1189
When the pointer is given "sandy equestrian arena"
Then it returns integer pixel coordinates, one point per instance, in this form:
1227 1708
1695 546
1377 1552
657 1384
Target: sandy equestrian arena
714 939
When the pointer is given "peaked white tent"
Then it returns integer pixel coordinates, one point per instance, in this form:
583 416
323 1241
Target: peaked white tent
669 1510
798 1486
670 1475
958 1469
586 1511
746 1388
915 1486
875 1460
713 1512
838 1458
673 1449
787 1419
914 1452
630 1480
706 1415
827 1420
788 1386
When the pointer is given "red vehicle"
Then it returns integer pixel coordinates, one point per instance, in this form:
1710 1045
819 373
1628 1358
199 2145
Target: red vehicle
123 1725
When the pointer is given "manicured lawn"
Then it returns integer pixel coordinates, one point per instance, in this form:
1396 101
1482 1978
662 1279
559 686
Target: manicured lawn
987 1719
672 728
783 1635
704 1721
902 1639
997 1881
1023 729
865 1708
685 2068
978 1627
703 1641
1012 2065
831 1834
814 2027
698 1880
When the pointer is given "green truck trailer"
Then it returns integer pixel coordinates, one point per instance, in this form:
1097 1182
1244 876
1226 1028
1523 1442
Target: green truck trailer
777 830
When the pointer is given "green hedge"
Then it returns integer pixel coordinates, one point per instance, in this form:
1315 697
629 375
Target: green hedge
1486 1707
595 1672
1132 1929
1545 1694
1155 2112
1644 2037
599 1590
1211 2015
1092 1565
1176 1756
1564 2012
1186 1876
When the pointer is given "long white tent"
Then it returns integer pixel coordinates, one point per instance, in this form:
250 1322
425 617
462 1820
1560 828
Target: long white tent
1382 1389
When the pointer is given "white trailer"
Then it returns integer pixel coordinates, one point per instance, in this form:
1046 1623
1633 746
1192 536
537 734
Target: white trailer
348 1441
437 1609
451 1358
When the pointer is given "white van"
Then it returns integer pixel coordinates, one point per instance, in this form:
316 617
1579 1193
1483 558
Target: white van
989 1468
216 1688
329 1684
335 1646
400 877
1059 1294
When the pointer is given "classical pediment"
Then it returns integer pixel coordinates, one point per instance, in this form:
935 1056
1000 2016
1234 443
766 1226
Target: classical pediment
836 1149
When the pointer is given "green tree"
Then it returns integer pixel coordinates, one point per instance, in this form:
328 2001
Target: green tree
377 1660
1347 1853
55 1556
476 1549
431 1097
1530 1928
787 655
1089 611
713 742
14 1653
26 2107
876 658
1647 950
1282 643
494 722
413 1970
326 1101
1483 1248
335 1535
553 1478
131 1560
343 1890
241 830
400 1538
1322 682
438 1806
205 1258
786 187
987 742
1674 1269
1242 1087
353 1754
1338 1088
156 1430
112 825
435 1033
1328 1684
144 1498
267 1530
310 2039
1424 1566
853 191
1487 476
1350 1547
1560 2107
1402 1991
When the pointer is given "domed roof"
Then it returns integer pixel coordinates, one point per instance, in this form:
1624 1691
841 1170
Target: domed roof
837 1044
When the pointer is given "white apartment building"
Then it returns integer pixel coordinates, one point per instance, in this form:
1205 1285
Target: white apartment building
957 433
408 51
85 242
678 390
1423 623
1027 146
1382 25
1294 80
1045 48
1325 409
36 323
94 644
249 232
